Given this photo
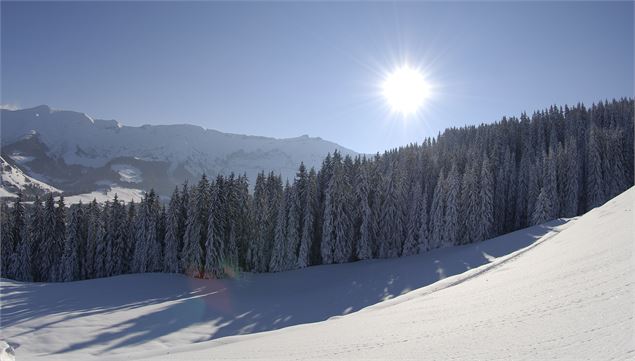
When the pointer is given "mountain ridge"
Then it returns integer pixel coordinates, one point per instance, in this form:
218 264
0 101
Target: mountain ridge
83 148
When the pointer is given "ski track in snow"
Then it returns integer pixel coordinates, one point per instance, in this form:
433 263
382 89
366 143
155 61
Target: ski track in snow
568 295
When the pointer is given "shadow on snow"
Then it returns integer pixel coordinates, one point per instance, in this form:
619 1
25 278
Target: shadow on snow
251 303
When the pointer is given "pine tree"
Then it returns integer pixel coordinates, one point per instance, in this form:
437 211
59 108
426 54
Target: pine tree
293 229
7 247
471 205
105 254
550 185
129 237
392 223
451 230
243 227
192 253
171 246
594 188
308 228
411 245
327 244
256 249
153 233
141 229
424 232
70 270
437 214
364 250
278 252
343 242
215 242
102 243
47 248
22 267
87 252
58 238
486 229
541 211
16 228
117 226
275 196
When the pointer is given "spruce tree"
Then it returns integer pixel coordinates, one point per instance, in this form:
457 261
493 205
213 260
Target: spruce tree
594 188
192 253
7 248
411 244
308 223
437 213
22 267
542 210
293 228
47 248
215 242
74 234
486 224
364 250
451 230
470 209
256 249
424 232
278 252
171 242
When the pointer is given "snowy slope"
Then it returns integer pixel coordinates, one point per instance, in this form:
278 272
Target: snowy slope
569 295
14 180
85 145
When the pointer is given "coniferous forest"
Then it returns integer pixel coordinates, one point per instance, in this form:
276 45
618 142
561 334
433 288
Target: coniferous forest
466 185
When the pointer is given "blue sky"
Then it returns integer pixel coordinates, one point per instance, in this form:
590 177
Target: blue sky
284 69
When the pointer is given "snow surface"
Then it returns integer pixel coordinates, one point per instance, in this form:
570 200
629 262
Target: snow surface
107 194
568 295
21 159
5 193
7 353
13 178
127 173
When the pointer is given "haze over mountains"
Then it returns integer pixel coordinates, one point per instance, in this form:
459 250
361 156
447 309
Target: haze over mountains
78 154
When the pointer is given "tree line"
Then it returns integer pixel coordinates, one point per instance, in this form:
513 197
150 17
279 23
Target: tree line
463 186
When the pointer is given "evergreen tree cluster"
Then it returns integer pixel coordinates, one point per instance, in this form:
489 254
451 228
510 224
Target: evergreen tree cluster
466 185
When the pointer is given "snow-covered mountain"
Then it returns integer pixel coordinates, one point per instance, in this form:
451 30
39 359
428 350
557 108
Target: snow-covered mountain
561 290
13 180
76 153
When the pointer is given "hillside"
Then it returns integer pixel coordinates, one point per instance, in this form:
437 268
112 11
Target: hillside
568 296
14 180
79 154
545 291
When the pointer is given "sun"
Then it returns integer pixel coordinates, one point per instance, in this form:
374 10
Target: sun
406 90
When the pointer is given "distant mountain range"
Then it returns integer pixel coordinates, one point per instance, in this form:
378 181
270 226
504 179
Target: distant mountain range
78 154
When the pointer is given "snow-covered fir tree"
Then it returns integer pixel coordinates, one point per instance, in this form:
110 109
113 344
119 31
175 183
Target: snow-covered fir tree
308 222
70 270
451 224
276 264
437 213
172 232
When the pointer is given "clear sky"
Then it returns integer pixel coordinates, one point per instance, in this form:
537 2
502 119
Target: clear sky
285 69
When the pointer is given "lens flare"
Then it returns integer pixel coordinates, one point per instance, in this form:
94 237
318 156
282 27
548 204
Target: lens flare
406 90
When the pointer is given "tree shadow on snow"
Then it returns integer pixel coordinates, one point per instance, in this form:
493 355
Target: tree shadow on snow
252 303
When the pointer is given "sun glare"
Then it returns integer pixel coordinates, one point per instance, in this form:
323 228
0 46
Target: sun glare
406 89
